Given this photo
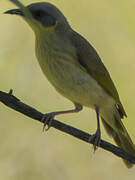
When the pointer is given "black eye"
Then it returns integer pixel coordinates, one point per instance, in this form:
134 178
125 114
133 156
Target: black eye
44 18
38 14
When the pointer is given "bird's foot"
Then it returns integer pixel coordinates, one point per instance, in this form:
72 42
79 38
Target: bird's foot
47 120
95 139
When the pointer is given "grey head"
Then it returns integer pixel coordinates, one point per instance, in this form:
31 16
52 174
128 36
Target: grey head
46 14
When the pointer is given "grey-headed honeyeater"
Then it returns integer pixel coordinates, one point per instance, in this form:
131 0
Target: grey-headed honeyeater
76 71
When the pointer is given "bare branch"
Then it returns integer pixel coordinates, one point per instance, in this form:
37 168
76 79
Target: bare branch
13 102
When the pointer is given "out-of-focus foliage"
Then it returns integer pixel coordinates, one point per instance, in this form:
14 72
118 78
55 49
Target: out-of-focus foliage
25 151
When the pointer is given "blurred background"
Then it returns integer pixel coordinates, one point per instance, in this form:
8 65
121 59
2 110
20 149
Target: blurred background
25 151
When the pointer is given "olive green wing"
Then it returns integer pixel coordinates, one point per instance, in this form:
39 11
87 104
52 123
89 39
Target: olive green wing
89 59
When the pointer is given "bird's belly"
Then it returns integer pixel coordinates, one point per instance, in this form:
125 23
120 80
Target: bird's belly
73 82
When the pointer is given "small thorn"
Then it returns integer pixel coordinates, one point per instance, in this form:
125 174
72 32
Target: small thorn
10 92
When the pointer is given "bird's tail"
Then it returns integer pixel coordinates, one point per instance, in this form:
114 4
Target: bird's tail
121 138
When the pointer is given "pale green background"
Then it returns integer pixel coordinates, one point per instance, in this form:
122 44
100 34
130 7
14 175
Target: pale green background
25 151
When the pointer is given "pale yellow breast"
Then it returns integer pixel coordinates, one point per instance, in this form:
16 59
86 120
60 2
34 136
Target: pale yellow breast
67 76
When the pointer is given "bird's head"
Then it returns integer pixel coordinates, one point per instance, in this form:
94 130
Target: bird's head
45 17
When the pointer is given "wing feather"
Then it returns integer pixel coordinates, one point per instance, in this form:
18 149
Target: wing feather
90 60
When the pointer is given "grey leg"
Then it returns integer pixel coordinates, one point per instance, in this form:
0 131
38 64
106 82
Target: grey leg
48 117
96 138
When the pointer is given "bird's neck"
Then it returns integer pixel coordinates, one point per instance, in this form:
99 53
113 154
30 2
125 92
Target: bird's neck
53 44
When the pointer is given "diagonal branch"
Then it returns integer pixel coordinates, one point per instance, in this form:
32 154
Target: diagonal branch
14 103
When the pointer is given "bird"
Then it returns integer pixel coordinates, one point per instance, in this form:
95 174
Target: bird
72 65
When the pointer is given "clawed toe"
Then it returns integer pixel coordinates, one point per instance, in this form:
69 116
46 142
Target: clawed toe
47 120
95 139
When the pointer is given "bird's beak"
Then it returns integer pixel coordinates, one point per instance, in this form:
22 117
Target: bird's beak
14 11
